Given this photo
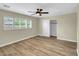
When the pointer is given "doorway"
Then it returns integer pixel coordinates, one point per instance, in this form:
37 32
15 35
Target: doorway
53 28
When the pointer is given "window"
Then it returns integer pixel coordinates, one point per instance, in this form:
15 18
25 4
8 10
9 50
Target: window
17 23
20 23
29 23
8 23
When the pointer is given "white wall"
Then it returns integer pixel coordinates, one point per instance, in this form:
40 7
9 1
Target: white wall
44 27
16 35
66 26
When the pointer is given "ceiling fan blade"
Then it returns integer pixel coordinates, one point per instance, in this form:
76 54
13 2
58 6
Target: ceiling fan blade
41 9
44 12
31 11
33 14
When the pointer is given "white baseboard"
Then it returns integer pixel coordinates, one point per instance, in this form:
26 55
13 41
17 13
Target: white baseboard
44 35
66 39
77 52
17 41
77 48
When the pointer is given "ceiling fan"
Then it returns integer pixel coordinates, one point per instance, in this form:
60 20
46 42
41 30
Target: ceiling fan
38 11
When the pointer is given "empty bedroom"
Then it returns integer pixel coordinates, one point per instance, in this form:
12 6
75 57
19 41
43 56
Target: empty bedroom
39 29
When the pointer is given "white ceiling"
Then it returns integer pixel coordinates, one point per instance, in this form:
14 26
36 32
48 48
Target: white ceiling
52 8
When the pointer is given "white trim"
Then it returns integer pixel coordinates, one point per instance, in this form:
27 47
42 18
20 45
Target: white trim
17 41
44 35
66 39
77 48
77 51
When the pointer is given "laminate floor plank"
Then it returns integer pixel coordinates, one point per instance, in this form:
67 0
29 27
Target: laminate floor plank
40 46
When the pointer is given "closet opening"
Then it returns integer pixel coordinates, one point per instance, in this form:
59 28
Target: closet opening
53 28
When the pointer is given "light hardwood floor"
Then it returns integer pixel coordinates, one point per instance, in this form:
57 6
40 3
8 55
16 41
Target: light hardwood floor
40 46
